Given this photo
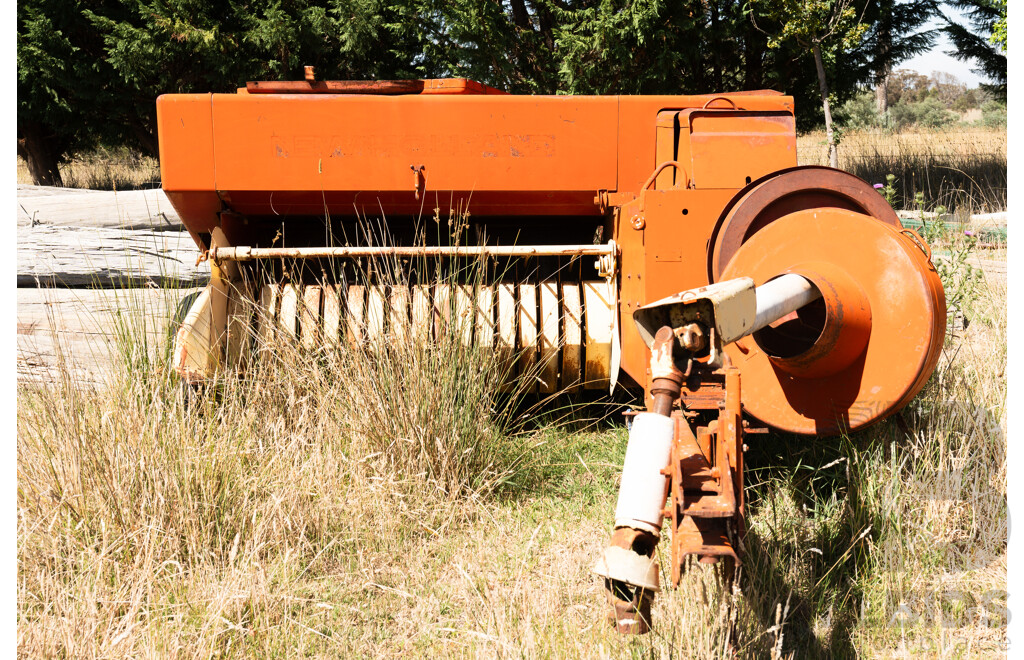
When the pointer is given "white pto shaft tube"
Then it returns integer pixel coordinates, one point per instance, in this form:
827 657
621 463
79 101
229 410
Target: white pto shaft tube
782 296
642 491
638 518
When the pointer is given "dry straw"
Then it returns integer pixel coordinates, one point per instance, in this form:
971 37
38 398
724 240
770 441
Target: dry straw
391 500
955 168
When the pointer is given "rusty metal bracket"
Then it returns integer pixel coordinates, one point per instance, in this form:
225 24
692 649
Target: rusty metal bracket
420 179
706 492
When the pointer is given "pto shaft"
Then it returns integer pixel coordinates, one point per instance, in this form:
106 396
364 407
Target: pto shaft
781 296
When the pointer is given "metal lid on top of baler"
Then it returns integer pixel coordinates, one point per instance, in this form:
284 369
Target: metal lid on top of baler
380 87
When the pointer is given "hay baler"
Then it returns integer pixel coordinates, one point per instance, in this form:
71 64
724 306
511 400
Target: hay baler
665 245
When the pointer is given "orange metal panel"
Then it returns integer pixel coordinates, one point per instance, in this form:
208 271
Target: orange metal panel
185 125
198 210
667 255
294 154
728 149
634 354
678 222
638 116
187 169
370 143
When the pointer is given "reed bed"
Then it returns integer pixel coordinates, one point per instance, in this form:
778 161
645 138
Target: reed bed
958 168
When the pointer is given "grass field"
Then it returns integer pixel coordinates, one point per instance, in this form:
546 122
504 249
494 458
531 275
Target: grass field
959 168
372 503
392 502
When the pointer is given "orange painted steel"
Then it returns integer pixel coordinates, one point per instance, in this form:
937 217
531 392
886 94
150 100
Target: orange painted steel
385 87
685 185
295 154
870 345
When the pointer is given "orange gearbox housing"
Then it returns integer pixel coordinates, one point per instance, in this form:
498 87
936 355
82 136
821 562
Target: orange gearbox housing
680 183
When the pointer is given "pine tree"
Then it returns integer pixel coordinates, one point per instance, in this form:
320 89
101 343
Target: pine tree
897 34
89 72
60 81
983 42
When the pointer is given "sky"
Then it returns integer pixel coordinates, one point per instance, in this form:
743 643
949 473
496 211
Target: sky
938 60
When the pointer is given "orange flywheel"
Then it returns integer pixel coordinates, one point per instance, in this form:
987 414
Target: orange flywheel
861 351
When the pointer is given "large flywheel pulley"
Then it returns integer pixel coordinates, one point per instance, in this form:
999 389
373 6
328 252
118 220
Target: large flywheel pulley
868 345
823 316
787 191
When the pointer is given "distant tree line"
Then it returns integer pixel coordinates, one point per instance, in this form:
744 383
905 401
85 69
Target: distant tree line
89 71
916 100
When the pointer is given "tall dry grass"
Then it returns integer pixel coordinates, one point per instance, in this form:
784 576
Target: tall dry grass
150 515
364 503
955 167
104 169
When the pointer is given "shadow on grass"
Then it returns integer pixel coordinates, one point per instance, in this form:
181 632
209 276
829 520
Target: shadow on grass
806 538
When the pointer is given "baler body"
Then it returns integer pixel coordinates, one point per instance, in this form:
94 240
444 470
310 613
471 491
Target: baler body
527 169
766 290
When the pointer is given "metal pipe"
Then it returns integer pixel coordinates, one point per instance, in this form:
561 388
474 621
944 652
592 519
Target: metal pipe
782 296
667 379
247 253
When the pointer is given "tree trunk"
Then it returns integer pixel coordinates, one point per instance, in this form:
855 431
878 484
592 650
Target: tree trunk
147 140
519 15
882 92
833 151
884 48
715 49
753 77
41 157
